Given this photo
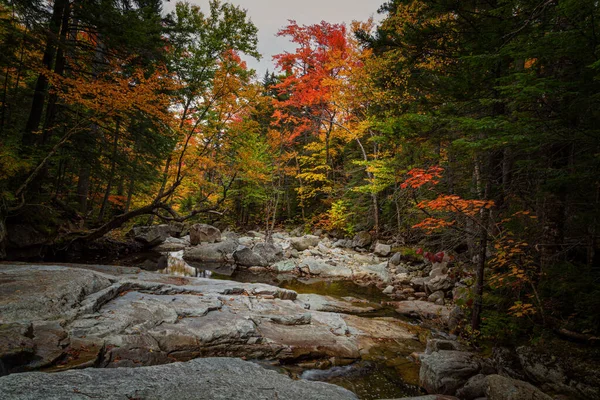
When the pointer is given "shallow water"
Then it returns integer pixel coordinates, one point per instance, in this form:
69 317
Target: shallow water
385 372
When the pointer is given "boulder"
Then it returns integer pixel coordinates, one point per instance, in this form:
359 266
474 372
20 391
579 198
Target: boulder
319 267
305 242
202 233
396 259
423 310
379 270
436 296
172 244
178 229
502 388
270 252
211 252
382 250
245 257
204 378
150 235
316 302
439 282
474 388
571 371
388 290
362 240
342 243
446 371
284 266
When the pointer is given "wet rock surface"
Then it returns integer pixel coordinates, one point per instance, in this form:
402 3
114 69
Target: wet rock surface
210 378
103 317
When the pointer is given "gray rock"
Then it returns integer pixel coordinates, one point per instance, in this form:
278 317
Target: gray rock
434 297
342 243
284 266
423 310
474 388
41 292
388 290
150 235
202 233
379 270
172 244
305 242
445 371
209 378
418 283
316 302
210 252
362 240
323 249
439 282
256 234
503 388
178 229
382 250
572 374
270 252
434 345
322 268
246 257
396 259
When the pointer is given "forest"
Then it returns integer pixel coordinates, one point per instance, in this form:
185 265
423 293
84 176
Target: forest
465 127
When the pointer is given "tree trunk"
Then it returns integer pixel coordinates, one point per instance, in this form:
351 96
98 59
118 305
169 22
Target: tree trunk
83 186
479 281
41 86
59 69
111 176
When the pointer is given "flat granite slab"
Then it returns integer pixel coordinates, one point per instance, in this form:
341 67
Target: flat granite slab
207 378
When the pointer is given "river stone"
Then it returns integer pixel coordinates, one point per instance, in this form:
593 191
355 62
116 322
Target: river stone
202 233
379 270
423 309
474 388
396 259
322 268
210 252
362 239
569 372
284 266
172 244
44 292
316 302
439 282
208 378
382 250
270 252
503 388
434 297
305 242
151 235
445 371
246 257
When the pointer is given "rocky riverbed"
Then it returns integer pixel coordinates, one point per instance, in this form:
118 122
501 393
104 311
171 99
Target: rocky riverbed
309 307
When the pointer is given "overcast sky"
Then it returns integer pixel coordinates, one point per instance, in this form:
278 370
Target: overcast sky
270 15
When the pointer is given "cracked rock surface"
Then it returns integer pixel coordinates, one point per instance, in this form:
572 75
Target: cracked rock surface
59 317
211 378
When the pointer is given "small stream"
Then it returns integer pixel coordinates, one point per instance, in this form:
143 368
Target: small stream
386 372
